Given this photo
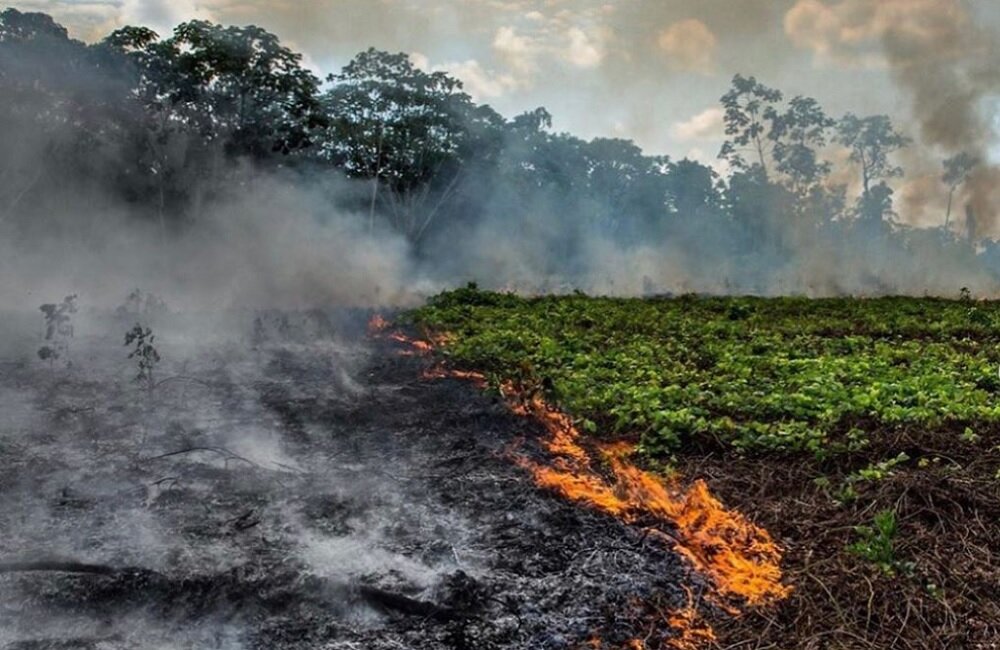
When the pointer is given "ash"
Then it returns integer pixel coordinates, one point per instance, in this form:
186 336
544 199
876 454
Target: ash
294 485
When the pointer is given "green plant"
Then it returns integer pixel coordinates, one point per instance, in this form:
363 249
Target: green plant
878 471
935 590
877 543
825 377
970 436
146 356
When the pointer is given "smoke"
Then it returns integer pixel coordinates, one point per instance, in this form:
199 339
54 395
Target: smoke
944 59
292 237
275 245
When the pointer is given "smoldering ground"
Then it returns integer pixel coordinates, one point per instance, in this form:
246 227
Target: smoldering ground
304 489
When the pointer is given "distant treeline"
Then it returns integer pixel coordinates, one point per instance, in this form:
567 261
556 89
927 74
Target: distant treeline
169 126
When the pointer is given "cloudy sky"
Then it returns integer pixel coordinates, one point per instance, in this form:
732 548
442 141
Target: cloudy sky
650 70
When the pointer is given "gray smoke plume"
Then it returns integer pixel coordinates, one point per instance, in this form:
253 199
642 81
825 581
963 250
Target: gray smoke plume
949 63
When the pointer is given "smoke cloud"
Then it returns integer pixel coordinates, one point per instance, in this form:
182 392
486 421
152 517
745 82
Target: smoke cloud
943 59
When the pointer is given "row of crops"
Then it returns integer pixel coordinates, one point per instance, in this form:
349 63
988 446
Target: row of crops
754 375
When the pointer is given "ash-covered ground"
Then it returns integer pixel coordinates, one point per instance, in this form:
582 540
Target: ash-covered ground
291 483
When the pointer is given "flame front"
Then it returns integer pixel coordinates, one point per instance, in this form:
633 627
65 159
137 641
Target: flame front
740 558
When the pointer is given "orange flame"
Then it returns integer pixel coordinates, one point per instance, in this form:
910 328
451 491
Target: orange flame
478 379
740 558
691 631
377 324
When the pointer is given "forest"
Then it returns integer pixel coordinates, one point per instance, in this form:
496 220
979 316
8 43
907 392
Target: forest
168 128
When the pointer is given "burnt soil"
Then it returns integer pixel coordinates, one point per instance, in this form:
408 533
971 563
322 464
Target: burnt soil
296 494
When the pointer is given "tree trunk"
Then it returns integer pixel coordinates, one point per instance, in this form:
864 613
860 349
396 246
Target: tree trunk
947 214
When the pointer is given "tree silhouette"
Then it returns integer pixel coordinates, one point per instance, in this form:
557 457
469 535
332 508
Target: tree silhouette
956 171
750 111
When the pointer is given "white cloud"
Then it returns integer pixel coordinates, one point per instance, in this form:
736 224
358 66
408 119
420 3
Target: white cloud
706 125
690 46
162 15
583 50
479 82
518 52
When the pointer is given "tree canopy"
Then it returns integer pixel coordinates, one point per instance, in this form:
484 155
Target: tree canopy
170 124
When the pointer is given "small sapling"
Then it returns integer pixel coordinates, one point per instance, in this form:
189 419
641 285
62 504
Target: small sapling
58 328
146 356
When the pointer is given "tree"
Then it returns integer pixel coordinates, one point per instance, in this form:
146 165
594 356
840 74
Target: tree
407 130
60 114
238 84
693 189
750 107
615 171
798 133
871 141
956 171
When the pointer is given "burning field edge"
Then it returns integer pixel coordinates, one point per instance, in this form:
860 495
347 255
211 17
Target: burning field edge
886 541
739 559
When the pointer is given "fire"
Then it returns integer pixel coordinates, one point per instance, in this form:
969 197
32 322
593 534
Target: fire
377 327
692 632
740 558
478 379
377 324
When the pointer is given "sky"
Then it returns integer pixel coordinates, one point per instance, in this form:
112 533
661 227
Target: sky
649 70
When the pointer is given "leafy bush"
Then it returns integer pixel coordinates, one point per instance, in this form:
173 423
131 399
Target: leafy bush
877 543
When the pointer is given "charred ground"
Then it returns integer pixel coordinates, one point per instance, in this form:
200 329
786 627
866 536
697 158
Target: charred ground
310 490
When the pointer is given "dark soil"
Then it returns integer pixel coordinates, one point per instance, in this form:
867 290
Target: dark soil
944 589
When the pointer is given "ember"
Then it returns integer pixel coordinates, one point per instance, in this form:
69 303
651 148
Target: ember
377 324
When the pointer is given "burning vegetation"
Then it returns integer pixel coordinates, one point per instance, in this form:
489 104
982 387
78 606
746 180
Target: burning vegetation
868 477
740 559
698 460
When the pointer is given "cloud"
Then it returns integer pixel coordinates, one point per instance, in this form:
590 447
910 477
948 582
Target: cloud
852 32
518 52
706 125
583 50
691 46
479 82
162 15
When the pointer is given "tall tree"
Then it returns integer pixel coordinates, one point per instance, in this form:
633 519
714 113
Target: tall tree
750 111
60 115
693 189
407 130
871 141
956 171
242 86
798 134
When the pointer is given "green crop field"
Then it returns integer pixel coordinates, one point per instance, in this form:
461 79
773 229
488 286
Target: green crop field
864 434
756 375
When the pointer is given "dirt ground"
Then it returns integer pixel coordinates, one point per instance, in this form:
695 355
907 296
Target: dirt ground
944 590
